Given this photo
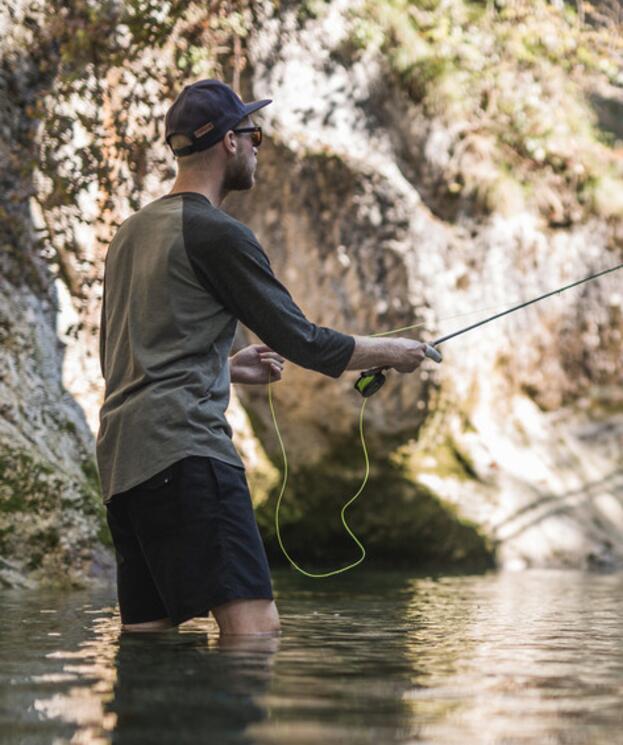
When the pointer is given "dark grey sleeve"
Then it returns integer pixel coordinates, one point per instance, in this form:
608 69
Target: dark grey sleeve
237 272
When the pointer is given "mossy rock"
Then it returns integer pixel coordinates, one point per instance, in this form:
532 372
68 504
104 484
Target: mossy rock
49 520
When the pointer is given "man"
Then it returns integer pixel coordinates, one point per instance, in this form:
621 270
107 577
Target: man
179 275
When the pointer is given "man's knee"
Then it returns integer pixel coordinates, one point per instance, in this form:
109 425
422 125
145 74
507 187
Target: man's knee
258 616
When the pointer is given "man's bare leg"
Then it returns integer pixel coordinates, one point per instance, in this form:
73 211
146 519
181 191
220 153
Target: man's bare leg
249 617
159 625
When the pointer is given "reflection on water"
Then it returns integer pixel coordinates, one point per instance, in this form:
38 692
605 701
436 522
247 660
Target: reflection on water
369 658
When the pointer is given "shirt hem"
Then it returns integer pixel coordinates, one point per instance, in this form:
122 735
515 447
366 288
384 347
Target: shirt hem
170 461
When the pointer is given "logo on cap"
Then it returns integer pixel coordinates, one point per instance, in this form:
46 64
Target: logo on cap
202 130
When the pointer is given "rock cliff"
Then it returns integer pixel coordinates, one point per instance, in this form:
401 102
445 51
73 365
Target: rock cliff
50 508
425 163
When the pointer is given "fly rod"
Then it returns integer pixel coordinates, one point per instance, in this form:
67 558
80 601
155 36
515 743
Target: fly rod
370 381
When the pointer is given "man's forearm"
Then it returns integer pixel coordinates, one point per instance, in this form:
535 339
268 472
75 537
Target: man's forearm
371 351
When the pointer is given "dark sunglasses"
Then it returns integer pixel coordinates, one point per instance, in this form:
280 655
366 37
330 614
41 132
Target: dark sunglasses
256 134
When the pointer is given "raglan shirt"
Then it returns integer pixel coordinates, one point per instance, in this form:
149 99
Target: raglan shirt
179 275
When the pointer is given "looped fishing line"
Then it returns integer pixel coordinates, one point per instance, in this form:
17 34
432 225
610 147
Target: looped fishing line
350 501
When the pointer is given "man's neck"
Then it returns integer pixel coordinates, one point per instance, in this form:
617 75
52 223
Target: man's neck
209 190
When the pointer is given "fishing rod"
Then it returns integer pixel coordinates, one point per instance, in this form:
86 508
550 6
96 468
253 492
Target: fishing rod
370 381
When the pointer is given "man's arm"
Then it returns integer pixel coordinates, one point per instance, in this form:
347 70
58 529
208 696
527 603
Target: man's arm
235 270
402 354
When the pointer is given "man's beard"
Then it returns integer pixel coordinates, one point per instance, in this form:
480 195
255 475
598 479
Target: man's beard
238 175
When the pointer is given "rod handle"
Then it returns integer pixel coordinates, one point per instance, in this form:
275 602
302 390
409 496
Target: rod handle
433 353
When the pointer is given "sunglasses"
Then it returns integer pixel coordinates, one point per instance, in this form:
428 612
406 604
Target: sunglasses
256 134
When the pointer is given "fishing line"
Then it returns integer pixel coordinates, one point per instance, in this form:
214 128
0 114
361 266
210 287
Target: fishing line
368 383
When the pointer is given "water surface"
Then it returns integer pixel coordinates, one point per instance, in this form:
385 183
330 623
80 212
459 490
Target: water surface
367 657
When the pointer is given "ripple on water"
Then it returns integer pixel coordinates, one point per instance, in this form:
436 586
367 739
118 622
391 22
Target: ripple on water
376 657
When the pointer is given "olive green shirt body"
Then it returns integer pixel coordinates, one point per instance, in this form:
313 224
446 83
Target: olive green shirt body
179 275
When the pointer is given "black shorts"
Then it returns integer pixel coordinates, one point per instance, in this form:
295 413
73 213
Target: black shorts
186 541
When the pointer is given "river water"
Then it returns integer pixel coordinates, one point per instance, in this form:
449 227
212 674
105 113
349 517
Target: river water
365 657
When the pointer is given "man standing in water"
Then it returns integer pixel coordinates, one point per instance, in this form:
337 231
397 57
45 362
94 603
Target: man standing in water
179 275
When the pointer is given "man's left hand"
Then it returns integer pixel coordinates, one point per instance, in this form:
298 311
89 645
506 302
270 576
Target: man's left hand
254 364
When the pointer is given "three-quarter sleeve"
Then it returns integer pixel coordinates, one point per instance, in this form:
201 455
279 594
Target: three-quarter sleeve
235 269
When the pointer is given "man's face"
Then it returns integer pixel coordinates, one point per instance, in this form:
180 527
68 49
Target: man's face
240 169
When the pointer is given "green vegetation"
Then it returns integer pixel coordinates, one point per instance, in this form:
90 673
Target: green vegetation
511 77
96 505
47 521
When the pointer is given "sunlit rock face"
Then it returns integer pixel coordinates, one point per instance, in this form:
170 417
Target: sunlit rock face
50 514
511 447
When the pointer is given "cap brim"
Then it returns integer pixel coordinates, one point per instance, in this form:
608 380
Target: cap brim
255 105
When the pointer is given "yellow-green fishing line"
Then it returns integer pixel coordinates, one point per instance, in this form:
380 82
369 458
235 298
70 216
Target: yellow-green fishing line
350 501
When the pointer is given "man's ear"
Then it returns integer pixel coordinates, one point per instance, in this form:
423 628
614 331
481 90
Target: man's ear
229 142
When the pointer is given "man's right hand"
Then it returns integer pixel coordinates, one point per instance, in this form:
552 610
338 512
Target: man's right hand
411 354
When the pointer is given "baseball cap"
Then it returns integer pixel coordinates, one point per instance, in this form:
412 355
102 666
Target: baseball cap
204 111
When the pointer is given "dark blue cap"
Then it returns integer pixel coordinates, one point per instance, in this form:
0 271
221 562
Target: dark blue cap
205 111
